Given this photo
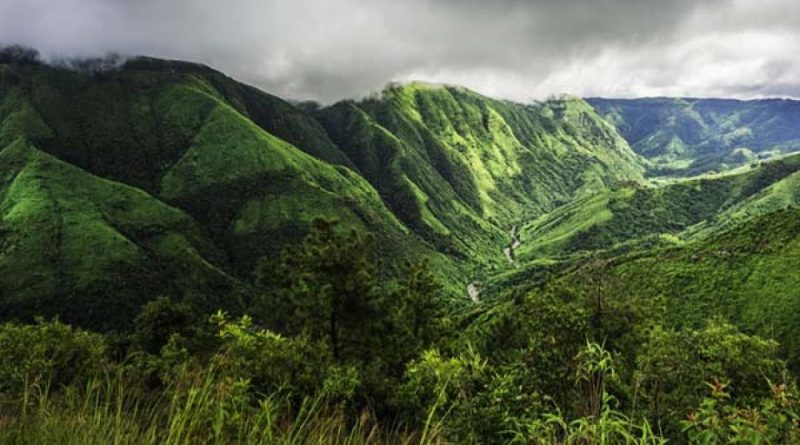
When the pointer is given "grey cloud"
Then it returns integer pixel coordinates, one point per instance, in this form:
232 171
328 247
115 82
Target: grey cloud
330 49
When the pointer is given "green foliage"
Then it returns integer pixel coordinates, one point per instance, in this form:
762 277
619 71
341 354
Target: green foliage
717 420
674 367
739 275
328 289
472 402
655 375
418 307
203 409
47 354
595 369
271 363
328 286
161 319
610 426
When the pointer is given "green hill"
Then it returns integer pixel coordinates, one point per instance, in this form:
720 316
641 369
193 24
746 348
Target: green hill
180 139
662 214
460 169
73 240
174 175
439 172
743 275
685 136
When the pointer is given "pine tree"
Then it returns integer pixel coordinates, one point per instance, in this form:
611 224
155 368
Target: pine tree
327 286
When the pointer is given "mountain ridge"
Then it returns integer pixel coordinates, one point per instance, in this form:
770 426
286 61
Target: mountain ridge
433 171
690 136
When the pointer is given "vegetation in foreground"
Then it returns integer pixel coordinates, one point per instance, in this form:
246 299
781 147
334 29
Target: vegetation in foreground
144 204
333 355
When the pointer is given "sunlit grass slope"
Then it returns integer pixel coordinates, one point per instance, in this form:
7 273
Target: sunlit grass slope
686 209
462 169
71 240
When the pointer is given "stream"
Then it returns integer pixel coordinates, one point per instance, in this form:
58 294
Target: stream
509 251
474 288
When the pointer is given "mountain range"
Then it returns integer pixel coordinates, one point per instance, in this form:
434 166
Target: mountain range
687 136
169 178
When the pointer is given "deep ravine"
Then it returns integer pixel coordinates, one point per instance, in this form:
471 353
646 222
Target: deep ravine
474 288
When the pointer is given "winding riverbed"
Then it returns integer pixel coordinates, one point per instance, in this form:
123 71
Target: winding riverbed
474 288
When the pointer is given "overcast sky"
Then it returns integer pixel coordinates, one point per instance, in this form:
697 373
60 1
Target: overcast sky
332 49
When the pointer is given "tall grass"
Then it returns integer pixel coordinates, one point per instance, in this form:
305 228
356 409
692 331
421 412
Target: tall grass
609 427
109 410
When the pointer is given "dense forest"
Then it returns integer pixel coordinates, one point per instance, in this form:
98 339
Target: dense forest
187 259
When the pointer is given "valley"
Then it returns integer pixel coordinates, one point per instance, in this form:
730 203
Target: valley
420 247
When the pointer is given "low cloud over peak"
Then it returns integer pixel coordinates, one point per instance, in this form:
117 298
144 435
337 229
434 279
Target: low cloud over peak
331 49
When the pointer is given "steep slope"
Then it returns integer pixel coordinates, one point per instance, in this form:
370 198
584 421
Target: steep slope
461 169
91 250
689 209
780 195
685 136
743 275
183 133
182 136
272 114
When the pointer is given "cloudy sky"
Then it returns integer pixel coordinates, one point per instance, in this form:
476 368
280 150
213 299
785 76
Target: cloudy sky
518 49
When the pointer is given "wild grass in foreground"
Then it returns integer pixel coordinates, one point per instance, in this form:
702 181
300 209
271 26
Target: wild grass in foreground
108 411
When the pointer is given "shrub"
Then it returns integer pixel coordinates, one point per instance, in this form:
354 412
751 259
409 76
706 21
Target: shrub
47 353
271 362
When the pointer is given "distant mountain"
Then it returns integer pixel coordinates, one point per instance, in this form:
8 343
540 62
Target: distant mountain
684 136
460 169
159 178
165 177
685 209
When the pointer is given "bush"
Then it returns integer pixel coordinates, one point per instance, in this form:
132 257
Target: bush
775 419
674 367
47 353
271 363
159 320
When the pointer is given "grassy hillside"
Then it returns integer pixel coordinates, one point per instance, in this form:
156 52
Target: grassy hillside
72 240
460 169
782 194
690 136
437 172
742 275
182 137
432 171
736 266
682 209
